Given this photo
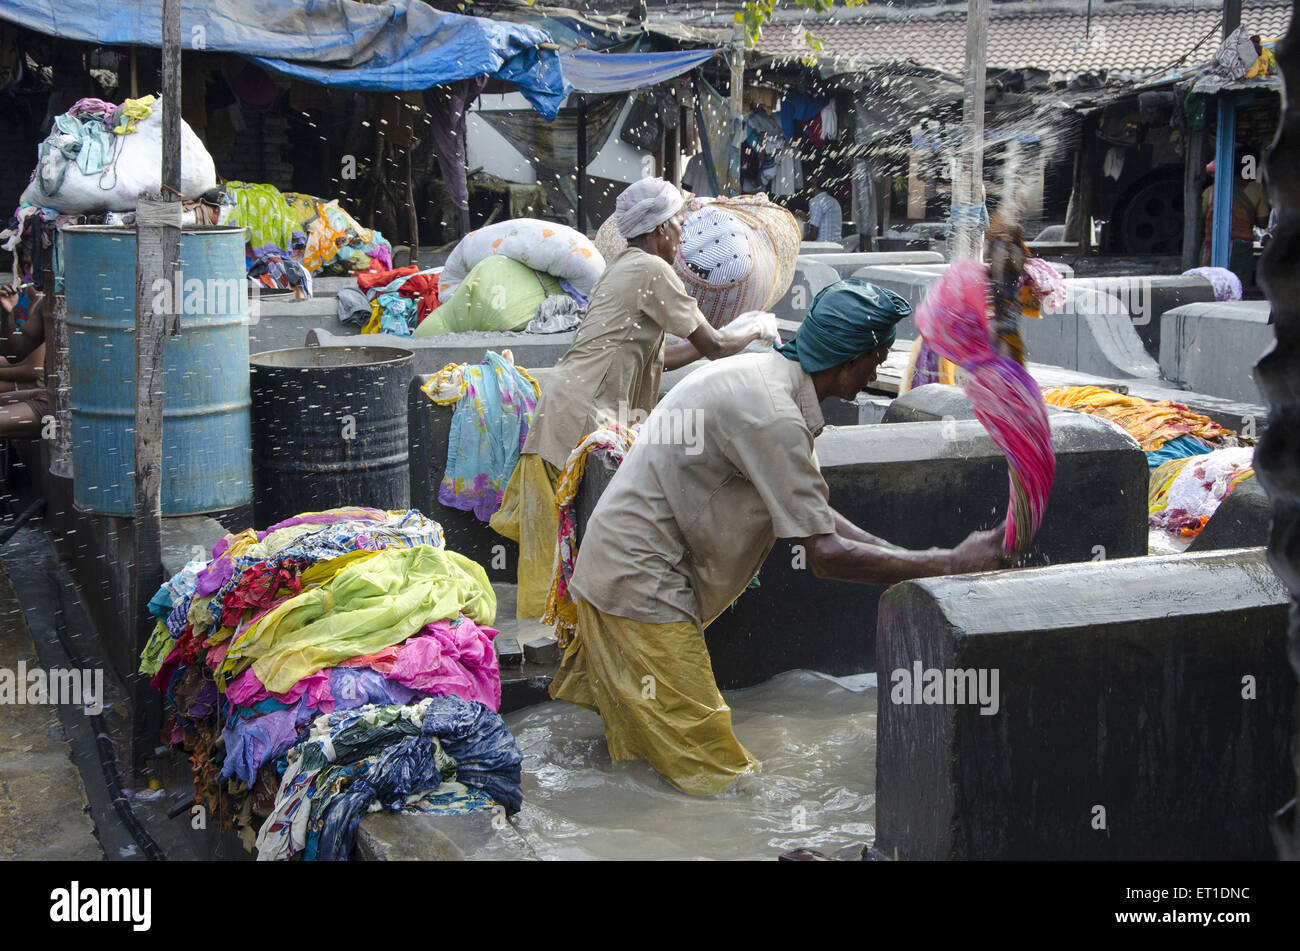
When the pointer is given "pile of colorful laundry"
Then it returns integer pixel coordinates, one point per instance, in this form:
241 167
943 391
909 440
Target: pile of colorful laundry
291 237
391 301
336 663
1186 492
1165 430
1195 463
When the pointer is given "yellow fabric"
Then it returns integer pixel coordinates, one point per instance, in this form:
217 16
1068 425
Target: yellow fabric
947 370
375 324
1151 424
1162 477
529 516
653 686
323 572
135 111
371 604
562 612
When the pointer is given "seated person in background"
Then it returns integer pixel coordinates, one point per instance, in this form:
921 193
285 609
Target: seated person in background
24 400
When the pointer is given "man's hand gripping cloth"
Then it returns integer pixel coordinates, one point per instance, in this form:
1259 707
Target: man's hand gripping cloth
954 321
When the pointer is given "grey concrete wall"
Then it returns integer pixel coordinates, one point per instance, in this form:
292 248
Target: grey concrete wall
1242 520
280 323
1211 348
847 263
1148 298
1120 688
434 353
909 484
810 277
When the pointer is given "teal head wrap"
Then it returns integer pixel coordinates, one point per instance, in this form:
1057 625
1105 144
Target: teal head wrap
845 319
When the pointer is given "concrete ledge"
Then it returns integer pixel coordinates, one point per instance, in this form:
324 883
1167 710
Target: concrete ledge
1120 699
1242 520
810 276
909 484
934 402
847 264
433 353
1148 298
474 836
1212 347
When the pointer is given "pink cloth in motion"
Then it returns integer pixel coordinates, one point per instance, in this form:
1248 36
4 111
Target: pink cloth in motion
954 321
1044 283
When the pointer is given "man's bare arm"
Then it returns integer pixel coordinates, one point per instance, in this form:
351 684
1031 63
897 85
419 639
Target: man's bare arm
836 557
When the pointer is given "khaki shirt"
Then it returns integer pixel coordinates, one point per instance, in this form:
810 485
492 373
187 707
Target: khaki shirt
617 354
722 468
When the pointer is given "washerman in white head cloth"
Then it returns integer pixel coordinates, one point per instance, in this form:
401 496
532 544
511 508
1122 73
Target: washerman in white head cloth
645 205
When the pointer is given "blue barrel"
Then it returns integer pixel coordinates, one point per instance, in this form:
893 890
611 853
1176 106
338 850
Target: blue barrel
206 456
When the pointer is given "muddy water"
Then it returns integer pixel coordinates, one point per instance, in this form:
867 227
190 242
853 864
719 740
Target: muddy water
816 738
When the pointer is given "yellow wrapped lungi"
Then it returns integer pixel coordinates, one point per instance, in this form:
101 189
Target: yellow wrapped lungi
528 515
653 686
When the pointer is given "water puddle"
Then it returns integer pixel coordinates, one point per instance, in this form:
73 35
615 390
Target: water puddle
816 738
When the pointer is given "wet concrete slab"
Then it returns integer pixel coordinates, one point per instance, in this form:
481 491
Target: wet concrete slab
1142 710
44 812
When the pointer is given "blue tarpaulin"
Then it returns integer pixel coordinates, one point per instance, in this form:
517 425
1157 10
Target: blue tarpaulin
391 46
620 72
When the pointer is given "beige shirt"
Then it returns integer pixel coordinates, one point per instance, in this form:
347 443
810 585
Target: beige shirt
617 355
722 468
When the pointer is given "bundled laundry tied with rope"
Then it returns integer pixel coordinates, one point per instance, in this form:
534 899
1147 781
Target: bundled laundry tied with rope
544 246
95 160
954 321
737 254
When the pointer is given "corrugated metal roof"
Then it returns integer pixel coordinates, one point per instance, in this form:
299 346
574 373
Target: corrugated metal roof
1126 44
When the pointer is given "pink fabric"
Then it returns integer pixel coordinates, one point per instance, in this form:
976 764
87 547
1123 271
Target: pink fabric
350 514
454 659
954 321
1044 283
247 689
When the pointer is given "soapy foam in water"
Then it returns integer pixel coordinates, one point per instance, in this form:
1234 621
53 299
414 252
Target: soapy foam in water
816 738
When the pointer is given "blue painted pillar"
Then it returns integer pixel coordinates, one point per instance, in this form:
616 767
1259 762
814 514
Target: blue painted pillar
1225 175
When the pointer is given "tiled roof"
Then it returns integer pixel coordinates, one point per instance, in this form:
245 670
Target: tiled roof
1125 44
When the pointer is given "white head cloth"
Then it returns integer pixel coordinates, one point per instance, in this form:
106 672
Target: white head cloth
645 205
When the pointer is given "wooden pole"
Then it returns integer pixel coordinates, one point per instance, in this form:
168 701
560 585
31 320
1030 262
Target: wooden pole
968 190
412 217
1192 229
580 213
158 240
1231 16
737 105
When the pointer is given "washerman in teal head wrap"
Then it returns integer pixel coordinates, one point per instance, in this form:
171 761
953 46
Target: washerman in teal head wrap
846 319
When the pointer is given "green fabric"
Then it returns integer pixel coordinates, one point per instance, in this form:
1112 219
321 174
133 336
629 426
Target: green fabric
368 606
263 214
498 294
845 319
155 652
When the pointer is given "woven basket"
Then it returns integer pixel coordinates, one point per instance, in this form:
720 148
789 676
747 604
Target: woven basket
774 246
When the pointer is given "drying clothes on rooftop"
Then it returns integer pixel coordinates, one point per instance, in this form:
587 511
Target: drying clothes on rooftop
954 321
495 401
615 441
1186 493
498 294
1151 424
